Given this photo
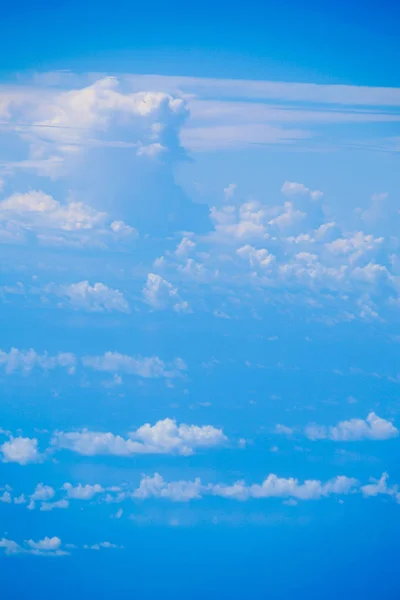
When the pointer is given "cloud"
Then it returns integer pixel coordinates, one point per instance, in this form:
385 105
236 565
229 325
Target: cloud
279 487
377 487
282 429
46 547
71 223
47 543
100 545
177 491
42 492
115 145
48 506
25 361
82 492
161 294
96 298
290 188
165 437
257 258
21 450
146 367
272 487
372 428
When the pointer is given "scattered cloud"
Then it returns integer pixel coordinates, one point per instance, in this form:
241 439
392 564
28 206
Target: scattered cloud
372 428
91 298
165 437
21 450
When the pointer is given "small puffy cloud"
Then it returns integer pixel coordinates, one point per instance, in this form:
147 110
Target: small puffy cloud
282 429
177 491
100 545
91 298
6 497
160 293
229 191
380 486
291 188
256 258
47 543
21 450
142 366
36 209
288 218
42 492
123 230
165 437
82 492
185 246
25 361
45 547
48 506
70 223
372 428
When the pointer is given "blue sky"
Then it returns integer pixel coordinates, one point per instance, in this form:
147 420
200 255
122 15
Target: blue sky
200 274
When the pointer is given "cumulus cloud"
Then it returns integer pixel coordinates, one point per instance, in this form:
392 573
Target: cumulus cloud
25 361
72 223
21 450
272 487
82 492
45 547
142 366
257 258
48 506
291 188
114 144
177 491
165 437
380 486
372 428
161 294
91 298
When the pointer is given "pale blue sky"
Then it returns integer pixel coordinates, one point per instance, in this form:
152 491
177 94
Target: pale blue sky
200 303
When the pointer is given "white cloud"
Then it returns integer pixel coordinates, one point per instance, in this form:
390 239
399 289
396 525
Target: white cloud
122 230
47 543
142 366
377 487
290 188
21 450
177 491
282 429
26 360
165 437
46 547
185 246
70 223
42 492
38 209
372 428
59 124
229 191
96 298
6 497
159 292
272 487
257 258
48 506
289 217
279 487
82 492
